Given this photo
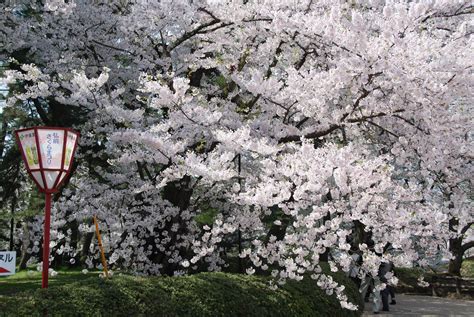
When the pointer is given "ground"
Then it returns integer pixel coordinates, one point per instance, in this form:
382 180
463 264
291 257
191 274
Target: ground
31 280
416 305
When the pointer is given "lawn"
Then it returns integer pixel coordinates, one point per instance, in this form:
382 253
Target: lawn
445 284
467 269
31 280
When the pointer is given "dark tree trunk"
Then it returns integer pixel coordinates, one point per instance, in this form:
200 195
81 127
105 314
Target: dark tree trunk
3 135
455 247
25 256
358 235
12 223
179 194
240 262
455 264
279 231
86 243
325 256
74 226
12 230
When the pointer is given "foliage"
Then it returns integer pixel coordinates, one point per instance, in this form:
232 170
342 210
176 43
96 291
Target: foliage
411 275
467 269
204 294
409 278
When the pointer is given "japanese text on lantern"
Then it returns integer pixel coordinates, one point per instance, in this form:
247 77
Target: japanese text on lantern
52 138
28 140
51 143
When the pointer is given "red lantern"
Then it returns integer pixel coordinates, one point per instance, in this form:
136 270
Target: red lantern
48 153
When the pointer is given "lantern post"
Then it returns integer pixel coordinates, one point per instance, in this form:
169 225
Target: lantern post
48 153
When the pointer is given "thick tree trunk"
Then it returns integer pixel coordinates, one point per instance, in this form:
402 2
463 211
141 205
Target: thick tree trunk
455 264
279 231
455 247
75 236
179 194
86 243
240 262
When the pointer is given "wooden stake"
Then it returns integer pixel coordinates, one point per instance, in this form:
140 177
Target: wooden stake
102 254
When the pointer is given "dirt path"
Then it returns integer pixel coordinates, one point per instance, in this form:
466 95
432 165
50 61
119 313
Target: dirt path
415 305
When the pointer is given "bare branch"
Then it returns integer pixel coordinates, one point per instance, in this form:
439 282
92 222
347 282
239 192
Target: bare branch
312 135
467 246
112 47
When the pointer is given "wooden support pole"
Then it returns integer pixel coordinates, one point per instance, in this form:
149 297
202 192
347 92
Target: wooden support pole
102 254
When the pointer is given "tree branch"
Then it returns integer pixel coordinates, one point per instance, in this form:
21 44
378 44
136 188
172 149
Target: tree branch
466 227
312 135
112 47
467 246
376 115
200 29
41 112
382 128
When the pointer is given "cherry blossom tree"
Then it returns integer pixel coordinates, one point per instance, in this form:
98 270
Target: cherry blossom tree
278 134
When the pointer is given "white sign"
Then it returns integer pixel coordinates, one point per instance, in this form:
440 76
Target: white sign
51 143
28 140
7 262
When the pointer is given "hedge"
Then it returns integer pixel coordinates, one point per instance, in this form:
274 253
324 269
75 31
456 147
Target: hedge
204 294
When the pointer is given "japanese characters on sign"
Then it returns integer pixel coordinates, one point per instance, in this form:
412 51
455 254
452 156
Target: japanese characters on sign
51 142
27 138
70 144
7 262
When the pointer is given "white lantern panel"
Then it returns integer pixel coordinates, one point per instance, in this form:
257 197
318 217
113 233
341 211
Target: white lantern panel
28 144
70 145
51 177
38 178
61 177
51 144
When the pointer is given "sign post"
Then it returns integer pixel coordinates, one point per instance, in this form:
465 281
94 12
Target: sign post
48 153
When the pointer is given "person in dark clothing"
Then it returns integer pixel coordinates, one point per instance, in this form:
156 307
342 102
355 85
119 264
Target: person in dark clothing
391 291
384 294
384 268
391 268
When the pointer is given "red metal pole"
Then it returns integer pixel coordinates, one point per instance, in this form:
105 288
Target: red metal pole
47 223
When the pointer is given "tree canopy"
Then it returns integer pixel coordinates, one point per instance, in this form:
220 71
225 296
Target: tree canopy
256 135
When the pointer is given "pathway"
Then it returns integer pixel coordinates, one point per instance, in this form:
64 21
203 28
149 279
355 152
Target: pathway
417 305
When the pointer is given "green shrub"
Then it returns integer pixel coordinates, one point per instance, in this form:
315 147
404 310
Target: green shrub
205 294
467 269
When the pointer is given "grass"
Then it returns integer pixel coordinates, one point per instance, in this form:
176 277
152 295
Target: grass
30 279
467 269
410 275
408 280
